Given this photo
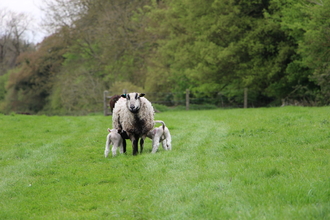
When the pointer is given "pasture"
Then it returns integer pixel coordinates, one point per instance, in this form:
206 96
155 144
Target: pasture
265 163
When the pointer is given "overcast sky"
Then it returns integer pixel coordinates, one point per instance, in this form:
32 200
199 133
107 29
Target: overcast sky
30 7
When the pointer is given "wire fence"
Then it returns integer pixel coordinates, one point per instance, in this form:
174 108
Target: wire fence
187 99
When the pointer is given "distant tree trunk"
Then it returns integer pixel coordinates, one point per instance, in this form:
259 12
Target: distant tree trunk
105 103
187 99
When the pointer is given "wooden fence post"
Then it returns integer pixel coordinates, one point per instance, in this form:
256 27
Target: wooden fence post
187 99
245 97
105 104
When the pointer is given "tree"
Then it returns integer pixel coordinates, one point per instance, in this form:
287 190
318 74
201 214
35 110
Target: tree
206 45
30 84
15 29
294 18
212 46
105 47
315 47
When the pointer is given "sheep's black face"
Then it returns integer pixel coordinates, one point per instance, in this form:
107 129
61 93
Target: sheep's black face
133 102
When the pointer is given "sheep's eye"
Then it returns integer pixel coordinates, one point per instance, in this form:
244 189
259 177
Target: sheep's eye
128 97
136 96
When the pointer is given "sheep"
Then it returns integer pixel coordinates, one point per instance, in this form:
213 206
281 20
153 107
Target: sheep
113 101
133 114
160 134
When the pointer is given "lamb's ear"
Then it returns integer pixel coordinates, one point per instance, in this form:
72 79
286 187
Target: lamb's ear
109 130
141 94
123 95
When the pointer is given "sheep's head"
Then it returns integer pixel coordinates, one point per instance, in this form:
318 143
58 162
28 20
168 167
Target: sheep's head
133 101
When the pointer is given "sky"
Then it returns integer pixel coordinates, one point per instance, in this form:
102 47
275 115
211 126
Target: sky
29 7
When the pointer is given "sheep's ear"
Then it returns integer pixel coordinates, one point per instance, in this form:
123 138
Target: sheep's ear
109 130
123 95
141 94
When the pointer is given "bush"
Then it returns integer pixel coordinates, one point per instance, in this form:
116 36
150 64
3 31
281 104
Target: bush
160 108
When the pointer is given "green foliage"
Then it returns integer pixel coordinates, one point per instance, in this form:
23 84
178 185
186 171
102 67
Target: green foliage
266 163
160 108
29 85
220 44
76 90
118 88
3 91
277 49
314 48
293 17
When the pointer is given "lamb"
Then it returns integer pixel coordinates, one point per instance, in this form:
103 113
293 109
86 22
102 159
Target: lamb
116 140
160 134
133 114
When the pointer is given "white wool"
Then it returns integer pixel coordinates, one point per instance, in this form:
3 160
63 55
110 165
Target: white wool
133 123
115 139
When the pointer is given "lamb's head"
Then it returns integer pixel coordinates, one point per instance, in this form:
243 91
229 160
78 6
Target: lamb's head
133 101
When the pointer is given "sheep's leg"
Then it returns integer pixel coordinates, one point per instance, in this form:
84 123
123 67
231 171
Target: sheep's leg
141 145
107 147
135 141
124 146
123 135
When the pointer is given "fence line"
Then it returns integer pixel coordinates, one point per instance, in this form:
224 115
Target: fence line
187 99
173 99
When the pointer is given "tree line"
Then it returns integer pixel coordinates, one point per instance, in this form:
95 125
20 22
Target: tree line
277 49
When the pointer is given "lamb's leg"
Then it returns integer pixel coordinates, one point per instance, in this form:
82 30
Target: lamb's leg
114 149
121 147
169 145
155 144
107 147
164 145
168 139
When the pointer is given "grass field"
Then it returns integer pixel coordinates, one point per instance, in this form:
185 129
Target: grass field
266 163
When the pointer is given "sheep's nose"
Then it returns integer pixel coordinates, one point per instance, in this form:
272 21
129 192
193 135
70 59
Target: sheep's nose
132 107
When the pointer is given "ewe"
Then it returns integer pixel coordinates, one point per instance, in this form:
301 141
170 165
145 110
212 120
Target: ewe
133 114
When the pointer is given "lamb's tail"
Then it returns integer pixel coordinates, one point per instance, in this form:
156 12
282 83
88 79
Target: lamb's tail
163 123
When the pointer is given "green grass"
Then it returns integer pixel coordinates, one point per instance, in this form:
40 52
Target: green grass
266 163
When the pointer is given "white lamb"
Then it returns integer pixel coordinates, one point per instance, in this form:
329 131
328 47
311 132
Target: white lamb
160 134
133 114
116 140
